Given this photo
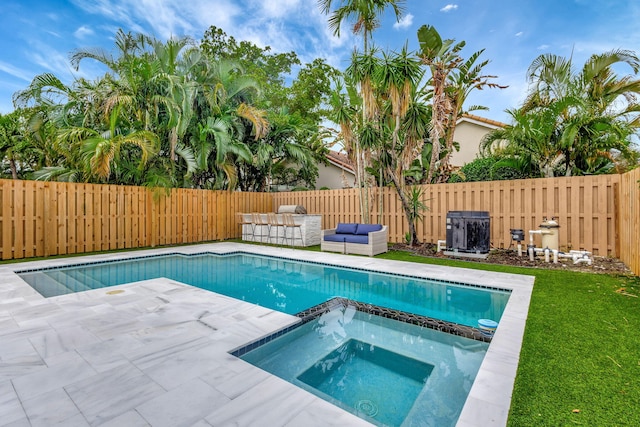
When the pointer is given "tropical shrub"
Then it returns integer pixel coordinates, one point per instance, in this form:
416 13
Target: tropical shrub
487 169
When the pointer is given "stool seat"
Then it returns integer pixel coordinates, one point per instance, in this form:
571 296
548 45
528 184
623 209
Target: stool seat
272 221
245 219
259 224
289 222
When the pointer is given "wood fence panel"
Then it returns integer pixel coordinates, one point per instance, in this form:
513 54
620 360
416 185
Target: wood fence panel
584 207
101 210
19 219
29 238
51 213
130 218
221 209
6 216
56 218
596 213
197 198
629 219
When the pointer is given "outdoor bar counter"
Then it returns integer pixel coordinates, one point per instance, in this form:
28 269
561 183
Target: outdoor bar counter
306 233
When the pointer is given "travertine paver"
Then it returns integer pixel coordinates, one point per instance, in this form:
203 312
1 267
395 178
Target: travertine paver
157 353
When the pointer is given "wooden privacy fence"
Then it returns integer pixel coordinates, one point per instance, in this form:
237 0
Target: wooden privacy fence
596 213
56 218
585 208
629 220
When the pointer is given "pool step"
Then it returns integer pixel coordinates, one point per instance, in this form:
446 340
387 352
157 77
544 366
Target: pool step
45 284
67 280
87 281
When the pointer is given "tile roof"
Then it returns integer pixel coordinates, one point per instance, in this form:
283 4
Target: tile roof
483 120
341 160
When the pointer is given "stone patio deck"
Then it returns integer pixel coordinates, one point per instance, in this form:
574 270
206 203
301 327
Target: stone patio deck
157 353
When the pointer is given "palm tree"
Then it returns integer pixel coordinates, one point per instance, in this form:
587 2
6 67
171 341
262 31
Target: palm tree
200 110
442 57
589 113
532 142
11 137
361 71
287 152
397 78
228 118
365 16
220 142
99 152
463 80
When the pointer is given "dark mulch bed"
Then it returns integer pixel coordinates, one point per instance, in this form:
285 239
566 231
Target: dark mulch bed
600 264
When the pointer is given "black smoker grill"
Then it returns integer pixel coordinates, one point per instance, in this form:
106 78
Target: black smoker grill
468 231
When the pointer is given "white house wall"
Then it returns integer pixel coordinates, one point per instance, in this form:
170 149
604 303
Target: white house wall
333 177
469 135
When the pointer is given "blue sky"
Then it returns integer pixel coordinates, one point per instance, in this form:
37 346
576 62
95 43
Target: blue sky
37 36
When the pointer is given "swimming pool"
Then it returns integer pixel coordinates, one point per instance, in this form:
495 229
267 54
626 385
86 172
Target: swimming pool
488 400
282 284
402 349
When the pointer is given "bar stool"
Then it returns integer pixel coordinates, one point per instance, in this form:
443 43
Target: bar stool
289 223
242 221
259 223
272 221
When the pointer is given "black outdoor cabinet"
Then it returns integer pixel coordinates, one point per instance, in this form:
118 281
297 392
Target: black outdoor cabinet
468 231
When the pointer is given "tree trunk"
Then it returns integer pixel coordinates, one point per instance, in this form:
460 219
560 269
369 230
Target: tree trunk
14 169
440 110
435 153
360 183
407 211
173 141
449 135
380 200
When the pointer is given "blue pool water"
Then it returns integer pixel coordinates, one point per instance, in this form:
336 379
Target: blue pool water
284 285
385 371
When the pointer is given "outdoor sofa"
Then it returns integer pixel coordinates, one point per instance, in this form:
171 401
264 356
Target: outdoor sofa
354 238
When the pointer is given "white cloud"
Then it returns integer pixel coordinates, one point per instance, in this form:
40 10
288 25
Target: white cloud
166 18
543 47
15 72
50 59
275 8
284 25
449 8
321 37
405 22
53 61
83 32
519 33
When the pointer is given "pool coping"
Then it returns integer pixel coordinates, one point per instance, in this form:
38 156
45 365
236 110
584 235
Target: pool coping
488 401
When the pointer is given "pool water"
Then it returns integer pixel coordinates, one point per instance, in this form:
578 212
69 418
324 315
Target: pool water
385 371
281 284
358 375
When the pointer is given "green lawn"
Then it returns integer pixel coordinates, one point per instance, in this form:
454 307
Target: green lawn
580 361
